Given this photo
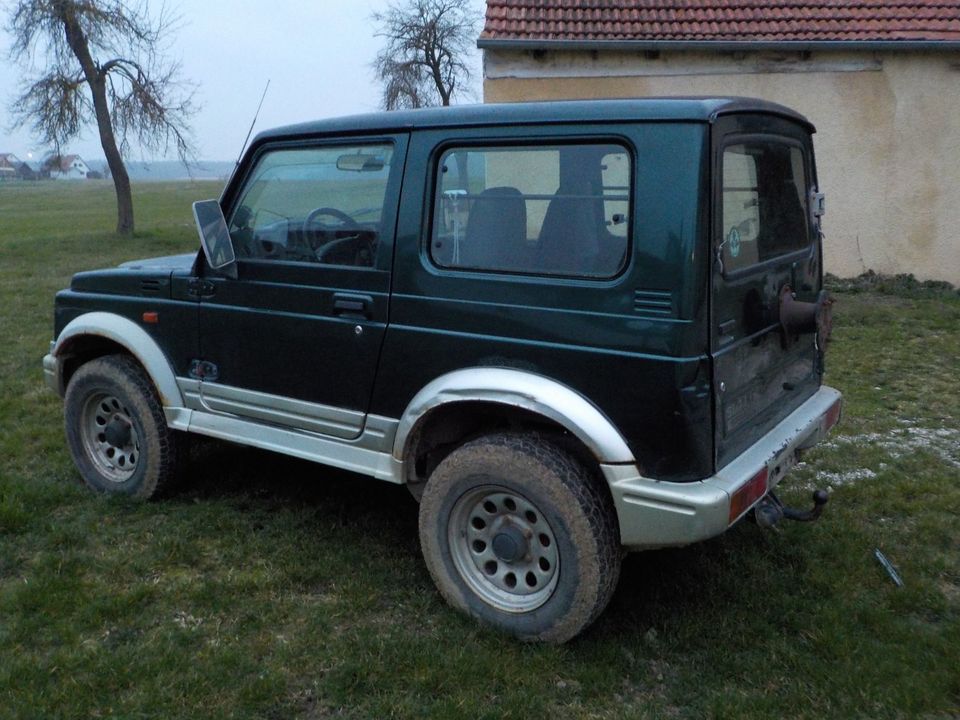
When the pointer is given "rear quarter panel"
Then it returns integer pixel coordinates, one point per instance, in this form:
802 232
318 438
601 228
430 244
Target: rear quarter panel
648 373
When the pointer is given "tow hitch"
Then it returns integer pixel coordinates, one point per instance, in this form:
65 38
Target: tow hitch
770 511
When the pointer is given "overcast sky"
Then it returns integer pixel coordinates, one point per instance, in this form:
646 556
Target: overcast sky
316 54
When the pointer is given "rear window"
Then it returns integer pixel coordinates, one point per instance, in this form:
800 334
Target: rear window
764 204
545 210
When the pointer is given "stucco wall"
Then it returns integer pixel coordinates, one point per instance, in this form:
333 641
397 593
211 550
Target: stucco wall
887 143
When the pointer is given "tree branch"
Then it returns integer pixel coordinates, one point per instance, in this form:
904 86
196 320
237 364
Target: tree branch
136 96
422 61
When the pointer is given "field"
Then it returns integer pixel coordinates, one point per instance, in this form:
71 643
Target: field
272 588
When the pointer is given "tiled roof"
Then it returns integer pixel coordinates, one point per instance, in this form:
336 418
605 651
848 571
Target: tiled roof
61 163
722 20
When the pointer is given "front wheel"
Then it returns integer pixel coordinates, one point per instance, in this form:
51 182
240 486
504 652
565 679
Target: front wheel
116 429
516 533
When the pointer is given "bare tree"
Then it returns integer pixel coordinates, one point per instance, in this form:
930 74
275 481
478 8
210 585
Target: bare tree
424 62
103 61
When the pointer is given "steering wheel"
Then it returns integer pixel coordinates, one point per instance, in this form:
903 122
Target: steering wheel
346 222
356 248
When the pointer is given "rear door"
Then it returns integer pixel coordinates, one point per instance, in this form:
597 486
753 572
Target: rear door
764 239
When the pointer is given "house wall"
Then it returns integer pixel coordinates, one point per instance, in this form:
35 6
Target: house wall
888 140
77 170
72 174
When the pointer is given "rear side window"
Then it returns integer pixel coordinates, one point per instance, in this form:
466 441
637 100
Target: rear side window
764 211
545 210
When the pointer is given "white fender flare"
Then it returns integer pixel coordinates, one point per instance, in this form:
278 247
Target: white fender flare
520 389
131 337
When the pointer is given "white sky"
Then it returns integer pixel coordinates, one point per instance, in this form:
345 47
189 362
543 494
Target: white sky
316 54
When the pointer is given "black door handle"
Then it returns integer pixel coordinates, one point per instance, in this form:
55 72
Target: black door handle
351 305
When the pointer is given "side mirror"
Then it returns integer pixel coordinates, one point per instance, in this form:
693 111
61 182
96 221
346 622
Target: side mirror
215 238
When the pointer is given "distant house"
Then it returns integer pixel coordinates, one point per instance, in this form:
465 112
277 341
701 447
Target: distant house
66 167
879 79
13 168
36 171
8 166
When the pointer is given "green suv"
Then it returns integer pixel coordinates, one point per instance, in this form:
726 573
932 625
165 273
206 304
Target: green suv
571 329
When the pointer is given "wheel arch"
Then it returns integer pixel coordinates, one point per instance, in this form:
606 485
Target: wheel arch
96 334
445 410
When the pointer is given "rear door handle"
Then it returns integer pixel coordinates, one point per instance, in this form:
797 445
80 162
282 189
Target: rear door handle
352 305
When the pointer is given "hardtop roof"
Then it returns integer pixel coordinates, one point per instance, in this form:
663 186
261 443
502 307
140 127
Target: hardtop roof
688 109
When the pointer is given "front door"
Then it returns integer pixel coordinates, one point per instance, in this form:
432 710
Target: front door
295 339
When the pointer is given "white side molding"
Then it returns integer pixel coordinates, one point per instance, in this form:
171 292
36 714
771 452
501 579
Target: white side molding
525 390
356 457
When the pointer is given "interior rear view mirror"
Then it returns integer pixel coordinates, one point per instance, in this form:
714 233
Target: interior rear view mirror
360 162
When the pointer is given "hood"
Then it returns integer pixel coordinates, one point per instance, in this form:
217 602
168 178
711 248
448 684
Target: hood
166 264
149 277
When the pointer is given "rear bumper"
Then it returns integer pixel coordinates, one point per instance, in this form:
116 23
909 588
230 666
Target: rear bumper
658 514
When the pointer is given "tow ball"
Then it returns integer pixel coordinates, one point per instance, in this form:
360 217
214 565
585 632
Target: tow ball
770 511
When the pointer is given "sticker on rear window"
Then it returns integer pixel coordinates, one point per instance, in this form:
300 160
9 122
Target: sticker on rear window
733 242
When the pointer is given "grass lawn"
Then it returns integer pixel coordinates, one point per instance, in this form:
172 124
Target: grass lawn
273 588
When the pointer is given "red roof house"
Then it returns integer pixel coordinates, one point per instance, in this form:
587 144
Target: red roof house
809 22
878 78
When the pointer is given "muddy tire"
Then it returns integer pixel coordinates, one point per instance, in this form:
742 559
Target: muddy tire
116 429
519 535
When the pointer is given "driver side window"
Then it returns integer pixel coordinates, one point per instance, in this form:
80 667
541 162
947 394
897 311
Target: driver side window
313 205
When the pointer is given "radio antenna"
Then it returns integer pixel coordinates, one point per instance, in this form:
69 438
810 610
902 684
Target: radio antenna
255 116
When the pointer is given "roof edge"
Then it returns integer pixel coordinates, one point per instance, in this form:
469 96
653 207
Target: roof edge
640 109
720 45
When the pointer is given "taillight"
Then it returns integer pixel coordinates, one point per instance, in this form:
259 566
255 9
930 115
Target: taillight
832 416
748 494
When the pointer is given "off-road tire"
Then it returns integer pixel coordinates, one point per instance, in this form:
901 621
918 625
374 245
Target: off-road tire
116 389
566 501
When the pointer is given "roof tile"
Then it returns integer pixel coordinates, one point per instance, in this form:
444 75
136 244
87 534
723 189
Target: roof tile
729 20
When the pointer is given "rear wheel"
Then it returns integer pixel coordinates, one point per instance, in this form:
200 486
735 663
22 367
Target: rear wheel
516 533
116 430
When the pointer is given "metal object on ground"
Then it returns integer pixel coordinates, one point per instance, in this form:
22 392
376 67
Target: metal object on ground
888 566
